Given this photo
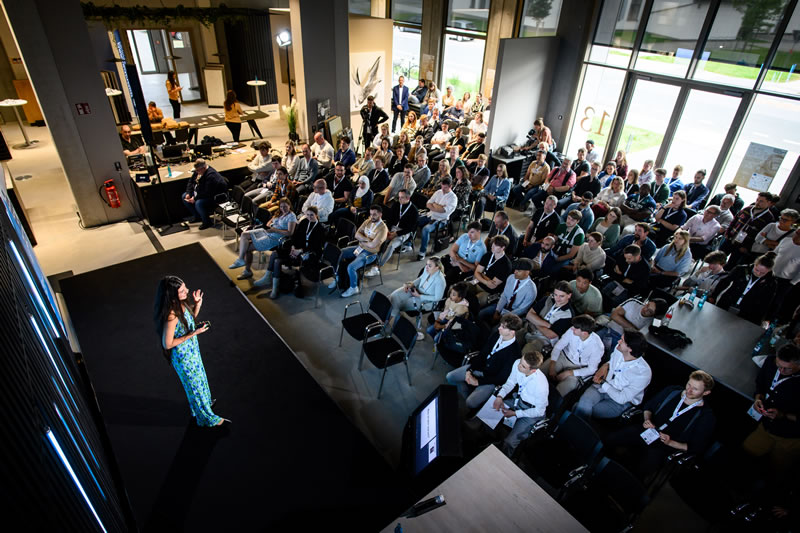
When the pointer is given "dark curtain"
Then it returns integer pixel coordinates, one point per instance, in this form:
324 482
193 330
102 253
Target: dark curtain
249 56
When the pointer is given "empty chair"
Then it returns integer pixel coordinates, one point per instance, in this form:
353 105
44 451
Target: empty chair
328 264
345 232
378 312
394 349
240 218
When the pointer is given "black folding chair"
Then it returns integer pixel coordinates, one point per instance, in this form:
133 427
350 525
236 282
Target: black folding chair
328 264
408 242
378 313
238 219
389 351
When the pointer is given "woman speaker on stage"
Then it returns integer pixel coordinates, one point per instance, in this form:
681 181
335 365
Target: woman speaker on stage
175 323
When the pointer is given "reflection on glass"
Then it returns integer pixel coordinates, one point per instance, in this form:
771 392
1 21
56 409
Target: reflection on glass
539 18
772 122
783 76
701 131
463 60
739 41
409 11
616 32
470 15
405 55
359 7
647 119
671 36
596 105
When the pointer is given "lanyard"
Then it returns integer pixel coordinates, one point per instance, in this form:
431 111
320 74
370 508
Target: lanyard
628 186
776 381
655 193
754 218
550 313
492 260
403 211
670 212
544 217
752 280
308 232
471 246
496 347
336 183
578 352
678 411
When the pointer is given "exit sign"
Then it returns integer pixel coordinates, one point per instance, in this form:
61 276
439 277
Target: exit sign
83 108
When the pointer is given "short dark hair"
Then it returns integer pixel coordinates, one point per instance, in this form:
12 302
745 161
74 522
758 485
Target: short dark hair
339 164
264 145
500 240
511 321
532 357
636 341
473 225
376 207
575 214
276 158
716 257
408 165
661 306
789 353
644 225
283 169
632 249
583 323
460 288
563 286
345 139
585 273
446 181
502 214
404 191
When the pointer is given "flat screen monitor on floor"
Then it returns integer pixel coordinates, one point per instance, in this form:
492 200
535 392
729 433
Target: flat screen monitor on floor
435 426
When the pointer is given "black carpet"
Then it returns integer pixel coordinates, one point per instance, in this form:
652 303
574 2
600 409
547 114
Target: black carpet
291 460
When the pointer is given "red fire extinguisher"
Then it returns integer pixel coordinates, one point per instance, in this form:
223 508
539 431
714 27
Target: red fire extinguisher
111 198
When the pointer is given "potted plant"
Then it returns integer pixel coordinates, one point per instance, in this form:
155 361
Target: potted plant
291 120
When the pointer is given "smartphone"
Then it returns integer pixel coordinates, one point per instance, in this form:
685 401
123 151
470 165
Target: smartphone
202 324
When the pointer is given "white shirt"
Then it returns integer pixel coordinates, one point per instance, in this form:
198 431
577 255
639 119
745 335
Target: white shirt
260 164
787 264
440 138
533 390
646 177
772 232
626 380
449 201
323 154
323 202
613 199
580 352
592 156
633 315
697 228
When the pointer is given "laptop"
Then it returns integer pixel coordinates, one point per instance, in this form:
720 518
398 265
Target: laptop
203 149
173 152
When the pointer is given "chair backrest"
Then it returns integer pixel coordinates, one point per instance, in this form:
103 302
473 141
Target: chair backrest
247 205
345 228
331 254
238 194
689 212
263 215
158 137
405 332
613 480
580 436
380 306
419 200
182 135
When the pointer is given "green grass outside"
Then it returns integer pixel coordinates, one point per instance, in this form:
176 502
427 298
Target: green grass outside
642 138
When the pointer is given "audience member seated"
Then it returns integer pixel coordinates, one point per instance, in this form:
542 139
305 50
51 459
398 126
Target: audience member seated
742 232
587 183
639 207
154 113
440 139
426 130
569 238
422 172
707 278
725 216
591 153
517 297
542 256
370 237
480 174
454 160
609 227
659 189
619 383
697 192
264 238
341 188
777 437
674 181
262 169
633 272
476 381
549 318
544 222
400 180
591 255
456 112
586 298
378 177
672 261
584 207
495 194
787 276
474 150
646 175
737 203
344 155
322 199
455 306
283 188
477 126
702 228
668 219
418 95
131 145
640 237
534 179
770 237
622 165
611 196
423 293
410 126
357 202
492 270
608 174
402 141
204 184
443 171
580 166
441 206
462 188
576 355
385 152
464 255
322 151
678 420
305 171
528 405
305 249
631 315
501 225
748 289
631 183
398 161
383 135
402 220
364 165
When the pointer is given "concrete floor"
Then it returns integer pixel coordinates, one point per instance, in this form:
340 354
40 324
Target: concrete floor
312 333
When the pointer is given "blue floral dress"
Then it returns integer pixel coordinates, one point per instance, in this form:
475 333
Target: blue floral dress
264 240
188 364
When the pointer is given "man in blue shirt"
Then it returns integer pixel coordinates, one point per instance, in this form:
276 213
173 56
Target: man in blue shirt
455 112
638 207
344 155
463 257
584 207
697 192
399 102
495 194
640 238
675 183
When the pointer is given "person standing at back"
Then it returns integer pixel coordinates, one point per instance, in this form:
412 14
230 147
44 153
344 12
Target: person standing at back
174 92
233 115
399 102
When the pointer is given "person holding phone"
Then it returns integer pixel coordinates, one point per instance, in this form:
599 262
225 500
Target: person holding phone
174 317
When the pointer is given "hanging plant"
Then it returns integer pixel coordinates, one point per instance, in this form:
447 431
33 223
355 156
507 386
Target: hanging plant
162 16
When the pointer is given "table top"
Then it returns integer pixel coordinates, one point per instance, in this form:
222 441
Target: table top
231 161
722 345
218 119
490 493
256 82
515 157
13 102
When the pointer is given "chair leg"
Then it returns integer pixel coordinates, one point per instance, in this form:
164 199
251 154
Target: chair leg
361 357
435 357
380 274
380 388
408 373
341 334
316 298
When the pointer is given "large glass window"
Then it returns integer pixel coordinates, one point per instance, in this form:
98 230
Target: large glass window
360 7
469 15
596 106
463 61
739 41
405 55
671 36
783 76
647 120
539 18
408 11
701 131
616 32
767 146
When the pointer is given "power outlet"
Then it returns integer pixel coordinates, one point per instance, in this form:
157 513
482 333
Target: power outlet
117 166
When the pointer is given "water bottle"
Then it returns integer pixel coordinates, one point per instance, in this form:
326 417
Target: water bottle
765 338
693 295
702 301
169 171
667 317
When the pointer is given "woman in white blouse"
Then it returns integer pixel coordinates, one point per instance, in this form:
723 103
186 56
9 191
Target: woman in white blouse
611 196
290 158
476 126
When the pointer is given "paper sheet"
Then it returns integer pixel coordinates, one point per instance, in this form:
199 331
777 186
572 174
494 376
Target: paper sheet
488 415
176 173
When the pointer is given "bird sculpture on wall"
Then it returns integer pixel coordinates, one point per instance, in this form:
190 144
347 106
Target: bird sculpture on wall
366 83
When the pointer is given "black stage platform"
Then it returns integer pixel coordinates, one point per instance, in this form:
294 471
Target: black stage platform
291 460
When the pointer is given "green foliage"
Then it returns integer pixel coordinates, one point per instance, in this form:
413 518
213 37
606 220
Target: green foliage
539 9
460 86
758 16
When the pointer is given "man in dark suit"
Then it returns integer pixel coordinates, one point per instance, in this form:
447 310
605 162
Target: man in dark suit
477 379
204 185
399 102
502 226
371 116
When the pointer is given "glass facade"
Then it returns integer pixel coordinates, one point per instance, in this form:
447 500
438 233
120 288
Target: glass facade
463 61
539 18
782 76
405 54
407 11
646 121
468 15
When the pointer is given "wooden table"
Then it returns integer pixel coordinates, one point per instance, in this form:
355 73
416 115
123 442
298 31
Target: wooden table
722 345
233 166
490 493
218 119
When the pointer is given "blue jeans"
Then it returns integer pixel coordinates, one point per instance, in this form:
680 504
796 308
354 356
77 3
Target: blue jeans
596 404
201 209
361 260
428 226
475 396
537 195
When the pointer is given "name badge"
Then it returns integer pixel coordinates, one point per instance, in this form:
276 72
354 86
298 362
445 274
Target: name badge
740 237
755 415
650 435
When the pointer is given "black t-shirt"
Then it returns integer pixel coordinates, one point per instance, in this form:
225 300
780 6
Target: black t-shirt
784 397
500 269
580 166
345 185
543 228
560 319
132 145
638 272
586 184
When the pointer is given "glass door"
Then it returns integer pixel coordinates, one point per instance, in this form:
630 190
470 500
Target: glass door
646 120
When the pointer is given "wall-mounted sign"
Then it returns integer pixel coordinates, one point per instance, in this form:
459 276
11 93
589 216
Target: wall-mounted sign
83 108
759 166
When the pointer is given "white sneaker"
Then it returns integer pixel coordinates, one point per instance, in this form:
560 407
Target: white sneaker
372 272
352 291
420 335
405 248
332 284
420 257
238 263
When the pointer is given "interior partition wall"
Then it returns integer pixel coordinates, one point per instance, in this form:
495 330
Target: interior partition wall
705 84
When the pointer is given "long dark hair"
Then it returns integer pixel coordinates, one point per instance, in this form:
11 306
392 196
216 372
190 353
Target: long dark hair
167 301
230 99
171 78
